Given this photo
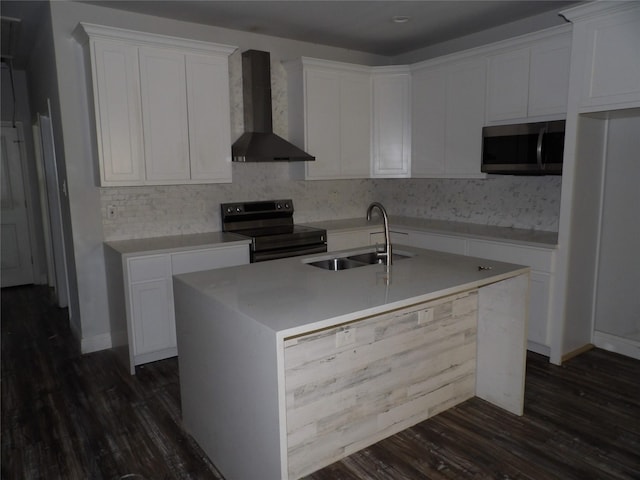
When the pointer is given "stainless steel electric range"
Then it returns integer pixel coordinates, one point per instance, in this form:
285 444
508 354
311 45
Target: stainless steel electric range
269 225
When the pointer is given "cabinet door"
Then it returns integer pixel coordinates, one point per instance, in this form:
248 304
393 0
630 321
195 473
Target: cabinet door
322 112
154 326
541 259
219 257
431 241
428 93
508 85
355 125
151 304
118 116
345 240
549 77
612 70
391 125
464 118
209 119
377 238
166 125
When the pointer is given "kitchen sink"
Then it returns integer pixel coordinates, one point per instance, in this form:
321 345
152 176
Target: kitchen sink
354 261
373 257
335 264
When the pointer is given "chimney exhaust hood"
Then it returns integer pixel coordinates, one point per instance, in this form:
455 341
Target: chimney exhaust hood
258 143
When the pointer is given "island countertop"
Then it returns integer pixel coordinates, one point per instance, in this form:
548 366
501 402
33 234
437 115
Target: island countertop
306 365
289 296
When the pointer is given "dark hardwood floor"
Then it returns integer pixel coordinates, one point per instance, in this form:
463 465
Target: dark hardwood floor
72 416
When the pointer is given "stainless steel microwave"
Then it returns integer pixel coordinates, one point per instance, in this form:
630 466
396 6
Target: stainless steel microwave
524 149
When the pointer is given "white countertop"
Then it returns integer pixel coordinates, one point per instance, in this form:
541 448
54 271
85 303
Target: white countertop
289 297
174 243
535 238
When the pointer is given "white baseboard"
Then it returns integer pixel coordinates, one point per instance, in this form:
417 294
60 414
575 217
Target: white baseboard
613 343
538 348
95 343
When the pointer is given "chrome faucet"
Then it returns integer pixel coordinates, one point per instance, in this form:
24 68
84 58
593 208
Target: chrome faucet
387 240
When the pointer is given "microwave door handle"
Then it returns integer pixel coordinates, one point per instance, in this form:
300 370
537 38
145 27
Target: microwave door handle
543 130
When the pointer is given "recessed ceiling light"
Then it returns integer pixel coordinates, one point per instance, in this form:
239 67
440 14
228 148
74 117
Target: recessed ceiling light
399 19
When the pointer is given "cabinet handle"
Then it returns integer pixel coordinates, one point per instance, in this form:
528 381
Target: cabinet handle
543 130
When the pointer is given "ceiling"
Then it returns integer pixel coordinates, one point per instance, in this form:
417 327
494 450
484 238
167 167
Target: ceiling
358 25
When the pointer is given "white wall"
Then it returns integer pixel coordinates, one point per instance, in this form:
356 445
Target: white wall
43 87
149 211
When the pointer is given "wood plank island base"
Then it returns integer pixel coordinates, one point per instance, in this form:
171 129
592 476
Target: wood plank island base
286 368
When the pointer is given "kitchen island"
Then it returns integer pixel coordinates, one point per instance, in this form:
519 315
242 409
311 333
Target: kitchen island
286 367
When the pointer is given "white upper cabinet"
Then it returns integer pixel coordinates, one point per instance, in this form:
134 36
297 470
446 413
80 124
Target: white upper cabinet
391 122
116 96
209 127
508 85
529 79
447 118
607 53
163 88
162 107
330 114
549 65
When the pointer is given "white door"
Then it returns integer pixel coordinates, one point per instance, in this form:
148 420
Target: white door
17 268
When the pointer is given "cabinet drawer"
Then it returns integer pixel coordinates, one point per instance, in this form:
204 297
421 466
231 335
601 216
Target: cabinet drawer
376 238
150 267
536 258
431 241
219 257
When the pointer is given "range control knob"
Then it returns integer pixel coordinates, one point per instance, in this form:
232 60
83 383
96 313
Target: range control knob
238 209
287 206
278 206
229 209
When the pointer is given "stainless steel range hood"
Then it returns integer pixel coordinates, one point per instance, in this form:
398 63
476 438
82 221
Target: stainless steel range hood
259 143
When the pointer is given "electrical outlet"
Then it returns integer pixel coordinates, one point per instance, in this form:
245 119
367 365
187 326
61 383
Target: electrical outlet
111 212
345 336
425 316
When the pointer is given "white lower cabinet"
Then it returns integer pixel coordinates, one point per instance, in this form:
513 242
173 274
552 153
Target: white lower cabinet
541 261
358 237
154 324
148 293
430 241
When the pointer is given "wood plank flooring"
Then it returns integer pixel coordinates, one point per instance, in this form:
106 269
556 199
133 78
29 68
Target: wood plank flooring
72 416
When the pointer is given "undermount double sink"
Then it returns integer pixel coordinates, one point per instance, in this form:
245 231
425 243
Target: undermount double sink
355 260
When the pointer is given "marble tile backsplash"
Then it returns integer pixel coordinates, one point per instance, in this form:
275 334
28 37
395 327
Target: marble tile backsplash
506 201
521 202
